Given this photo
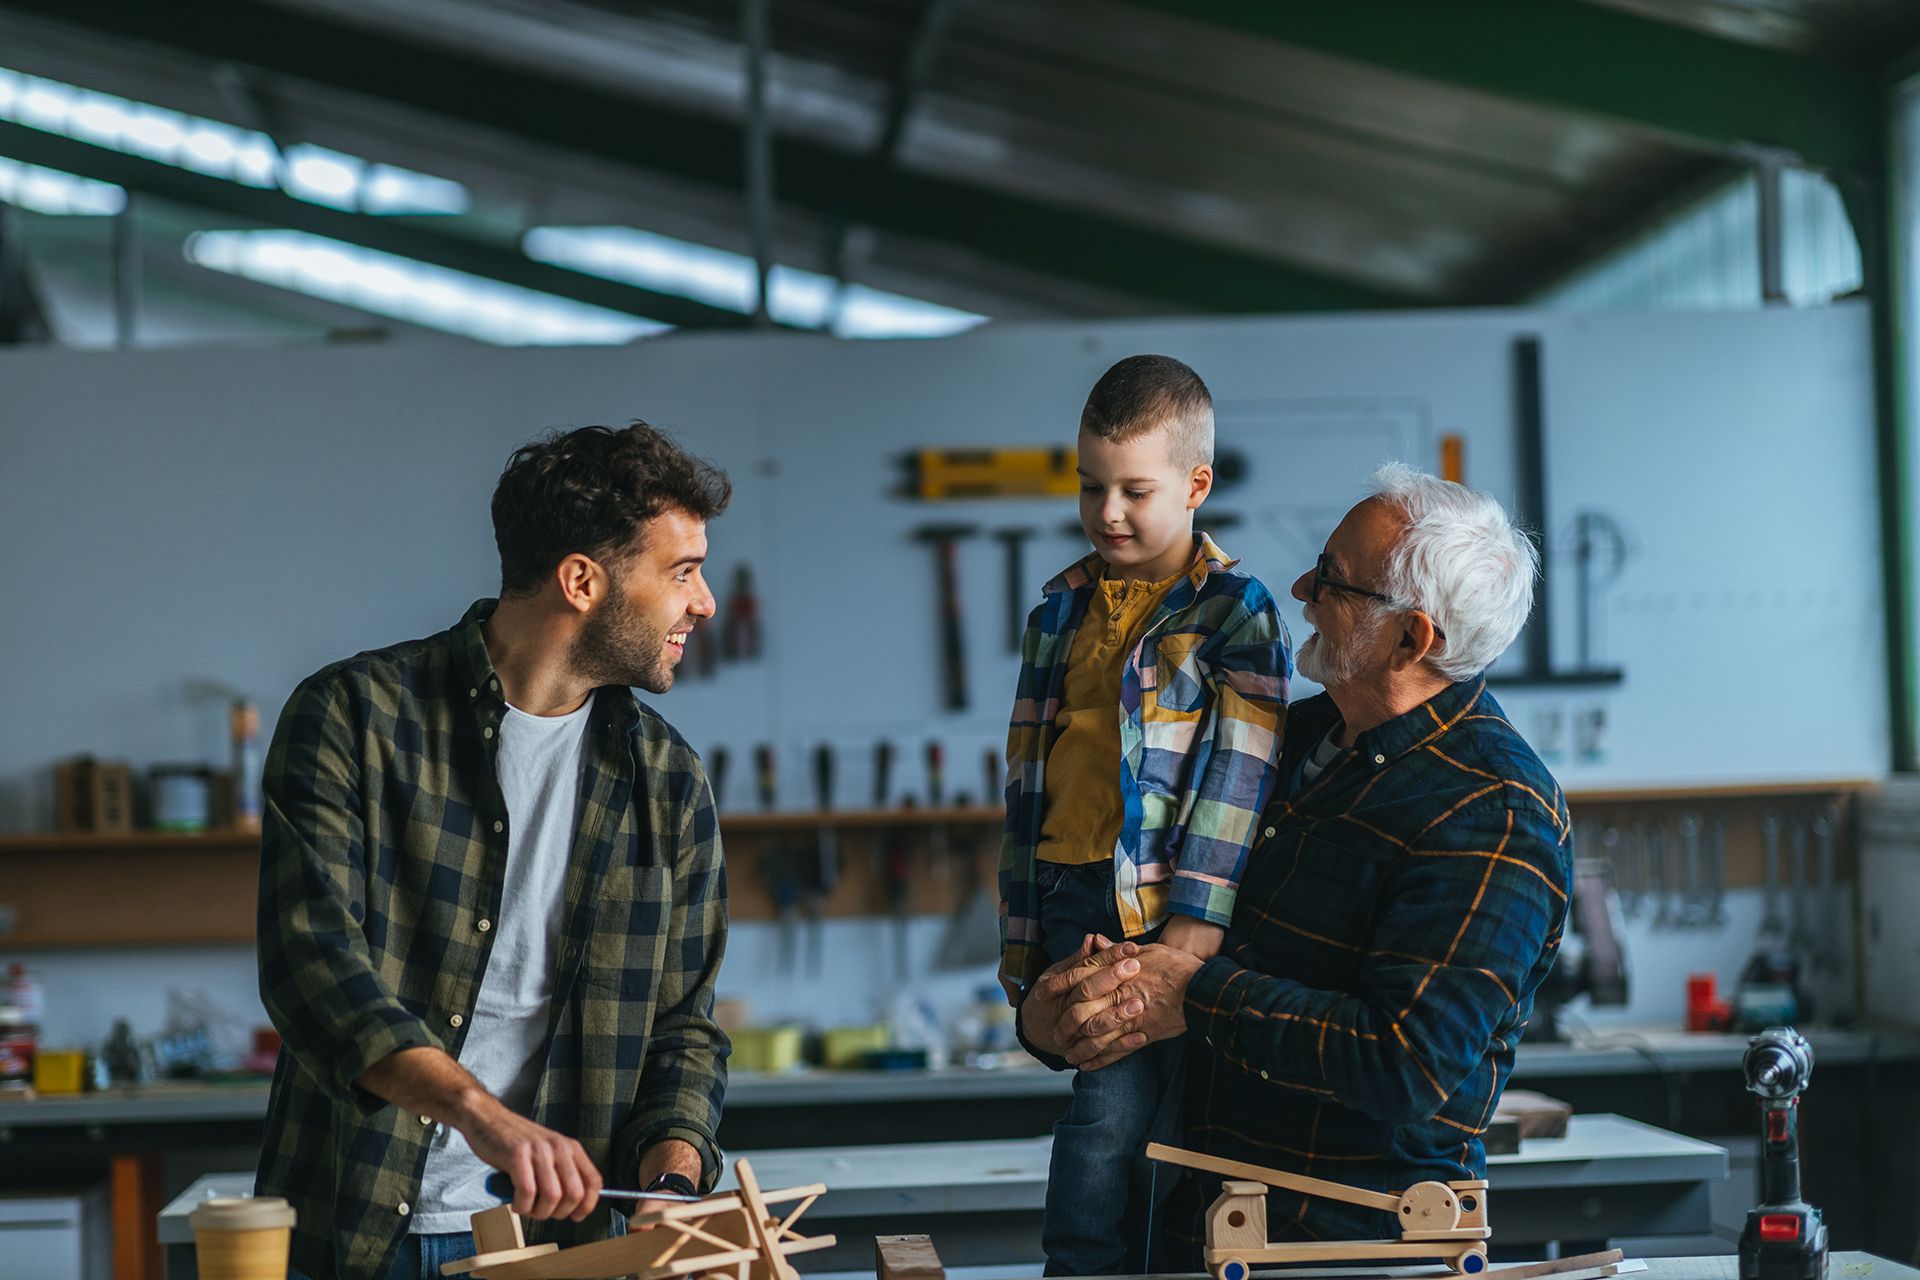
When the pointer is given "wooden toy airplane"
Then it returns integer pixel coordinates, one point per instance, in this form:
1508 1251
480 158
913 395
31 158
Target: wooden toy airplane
1445 1220
731 1235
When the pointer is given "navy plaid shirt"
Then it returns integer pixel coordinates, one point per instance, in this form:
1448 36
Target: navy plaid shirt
384 850
1361 1019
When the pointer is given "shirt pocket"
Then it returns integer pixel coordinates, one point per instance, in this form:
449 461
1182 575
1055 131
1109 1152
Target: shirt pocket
1180 673
630 930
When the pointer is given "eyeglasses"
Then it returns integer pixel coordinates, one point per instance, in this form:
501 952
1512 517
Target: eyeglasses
1322 580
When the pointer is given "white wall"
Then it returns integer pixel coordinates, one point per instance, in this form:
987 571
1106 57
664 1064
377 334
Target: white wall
249 516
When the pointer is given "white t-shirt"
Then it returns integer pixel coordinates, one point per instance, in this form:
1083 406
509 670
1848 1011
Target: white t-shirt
540 763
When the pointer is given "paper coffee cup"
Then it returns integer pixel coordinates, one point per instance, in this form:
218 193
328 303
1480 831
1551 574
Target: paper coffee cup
242 1238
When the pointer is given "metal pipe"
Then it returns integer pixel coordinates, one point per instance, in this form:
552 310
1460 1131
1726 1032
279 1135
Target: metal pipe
1530 494
756 24
1766 177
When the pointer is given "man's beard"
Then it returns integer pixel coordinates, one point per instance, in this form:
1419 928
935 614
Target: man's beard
616 647
1319 661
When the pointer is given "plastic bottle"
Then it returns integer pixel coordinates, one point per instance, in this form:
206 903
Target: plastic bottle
20 1014
24 994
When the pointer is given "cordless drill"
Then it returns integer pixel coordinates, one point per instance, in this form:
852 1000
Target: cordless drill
1785 1237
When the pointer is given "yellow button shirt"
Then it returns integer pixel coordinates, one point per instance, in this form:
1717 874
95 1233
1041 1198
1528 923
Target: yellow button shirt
1084 812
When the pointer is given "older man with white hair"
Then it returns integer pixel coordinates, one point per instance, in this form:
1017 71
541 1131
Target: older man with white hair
1404 900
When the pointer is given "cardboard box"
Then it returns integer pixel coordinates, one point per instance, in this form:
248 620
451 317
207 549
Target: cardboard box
92 795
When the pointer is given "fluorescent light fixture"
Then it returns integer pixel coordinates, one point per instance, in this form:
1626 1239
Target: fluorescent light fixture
50 191
314 174
720 278
435 297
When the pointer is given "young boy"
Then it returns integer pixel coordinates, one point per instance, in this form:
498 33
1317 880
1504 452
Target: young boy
1144 744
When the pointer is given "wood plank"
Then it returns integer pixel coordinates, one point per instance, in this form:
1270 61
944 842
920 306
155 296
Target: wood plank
134 1185
907 1258
1274 1177
603 1259
1579 1262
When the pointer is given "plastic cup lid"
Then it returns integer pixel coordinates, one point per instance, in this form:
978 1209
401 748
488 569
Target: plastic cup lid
241 1213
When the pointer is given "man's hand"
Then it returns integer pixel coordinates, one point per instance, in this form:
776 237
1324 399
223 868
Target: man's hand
1050 1016
1132 1004
552 1176
1195 937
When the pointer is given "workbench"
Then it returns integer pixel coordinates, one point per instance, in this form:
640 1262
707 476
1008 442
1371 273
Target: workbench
1866 1089
981 1201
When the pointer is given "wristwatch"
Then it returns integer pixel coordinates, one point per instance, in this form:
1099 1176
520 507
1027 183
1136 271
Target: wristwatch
676 1183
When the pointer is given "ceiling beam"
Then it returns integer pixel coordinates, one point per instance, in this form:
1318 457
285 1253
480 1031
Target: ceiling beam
1588 59
406 237
553 110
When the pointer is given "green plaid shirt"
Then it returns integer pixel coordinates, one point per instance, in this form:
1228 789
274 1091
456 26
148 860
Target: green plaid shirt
384 850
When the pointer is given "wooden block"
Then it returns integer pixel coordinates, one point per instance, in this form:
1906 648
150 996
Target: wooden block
906 1258
498 1229
1537 1115
500 1258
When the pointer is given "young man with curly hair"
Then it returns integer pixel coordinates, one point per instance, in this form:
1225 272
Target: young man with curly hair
492 904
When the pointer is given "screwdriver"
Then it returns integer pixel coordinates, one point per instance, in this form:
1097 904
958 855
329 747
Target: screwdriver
763 773
500 1185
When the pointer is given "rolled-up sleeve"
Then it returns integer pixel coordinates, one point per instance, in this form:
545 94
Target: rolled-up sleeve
332 1010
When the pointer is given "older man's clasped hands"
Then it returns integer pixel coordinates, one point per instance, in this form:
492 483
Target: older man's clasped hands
1107 1000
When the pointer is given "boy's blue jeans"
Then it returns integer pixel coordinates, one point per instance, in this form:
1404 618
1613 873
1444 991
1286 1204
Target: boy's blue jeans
1099 1184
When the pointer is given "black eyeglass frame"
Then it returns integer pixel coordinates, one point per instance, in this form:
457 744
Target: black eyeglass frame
1322 580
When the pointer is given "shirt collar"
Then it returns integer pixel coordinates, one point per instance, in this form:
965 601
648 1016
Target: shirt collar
1381 745
619 707
1207 559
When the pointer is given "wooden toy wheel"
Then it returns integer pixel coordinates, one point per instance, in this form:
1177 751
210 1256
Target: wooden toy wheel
1472 1262
1232 1269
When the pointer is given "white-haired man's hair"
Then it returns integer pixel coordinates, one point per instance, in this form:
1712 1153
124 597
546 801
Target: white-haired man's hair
1462 561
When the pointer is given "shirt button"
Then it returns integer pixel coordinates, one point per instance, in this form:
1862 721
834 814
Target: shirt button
456 1020
499 826
1209 1040
494 685
1379 759
473 693
487 732
1263 1075
1268 833
427 1120
403 1208
483 925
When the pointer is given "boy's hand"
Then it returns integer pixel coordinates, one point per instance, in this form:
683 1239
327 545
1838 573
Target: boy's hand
1195 937
1011 987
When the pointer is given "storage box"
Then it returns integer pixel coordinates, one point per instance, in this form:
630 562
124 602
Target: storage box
92 795
766 1048
60 1070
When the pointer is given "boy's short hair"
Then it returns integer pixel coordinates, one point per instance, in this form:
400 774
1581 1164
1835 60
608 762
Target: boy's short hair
1153 393
590 490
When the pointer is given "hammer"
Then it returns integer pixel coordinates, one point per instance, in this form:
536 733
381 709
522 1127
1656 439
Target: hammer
1014 540
953 648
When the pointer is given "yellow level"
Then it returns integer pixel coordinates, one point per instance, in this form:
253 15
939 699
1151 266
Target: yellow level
936 474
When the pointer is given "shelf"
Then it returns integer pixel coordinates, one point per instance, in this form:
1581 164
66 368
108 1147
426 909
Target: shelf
148 888
131 841
1741 791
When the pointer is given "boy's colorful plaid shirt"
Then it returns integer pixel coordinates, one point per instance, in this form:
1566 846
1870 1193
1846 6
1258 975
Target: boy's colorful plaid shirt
1201 703
383 865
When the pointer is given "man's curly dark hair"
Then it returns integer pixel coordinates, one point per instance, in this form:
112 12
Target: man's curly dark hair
590 490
